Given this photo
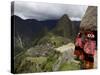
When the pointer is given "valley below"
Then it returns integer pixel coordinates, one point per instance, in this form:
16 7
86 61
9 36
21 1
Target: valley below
47 59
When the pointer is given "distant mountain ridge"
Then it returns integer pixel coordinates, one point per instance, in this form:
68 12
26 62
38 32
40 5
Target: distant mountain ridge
33 30
30 27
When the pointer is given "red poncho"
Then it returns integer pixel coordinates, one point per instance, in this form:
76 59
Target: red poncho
90 47
79 42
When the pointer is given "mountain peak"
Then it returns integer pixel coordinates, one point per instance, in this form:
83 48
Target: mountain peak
64 26
65 16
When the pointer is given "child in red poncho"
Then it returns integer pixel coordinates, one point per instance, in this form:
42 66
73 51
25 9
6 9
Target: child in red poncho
89 50
79 47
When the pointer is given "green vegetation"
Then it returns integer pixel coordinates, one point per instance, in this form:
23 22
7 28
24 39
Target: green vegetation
26 63
54 40
39 54
69 66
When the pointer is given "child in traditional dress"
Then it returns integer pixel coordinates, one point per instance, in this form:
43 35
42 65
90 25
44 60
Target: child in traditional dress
78 46
89 50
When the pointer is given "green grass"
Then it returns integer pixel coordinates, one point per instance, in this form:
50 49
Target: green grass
38 60
69 66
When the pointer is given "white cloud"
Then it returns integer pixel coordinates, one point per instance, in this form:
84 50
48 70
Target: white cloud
43 11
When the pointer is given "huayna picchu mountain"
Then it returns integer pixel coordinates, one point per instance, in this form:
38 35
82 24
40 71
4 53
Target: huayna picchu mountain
63 27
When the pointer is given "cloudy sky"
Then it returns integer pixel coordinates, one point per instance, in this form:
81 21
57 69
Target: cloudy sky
45 11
